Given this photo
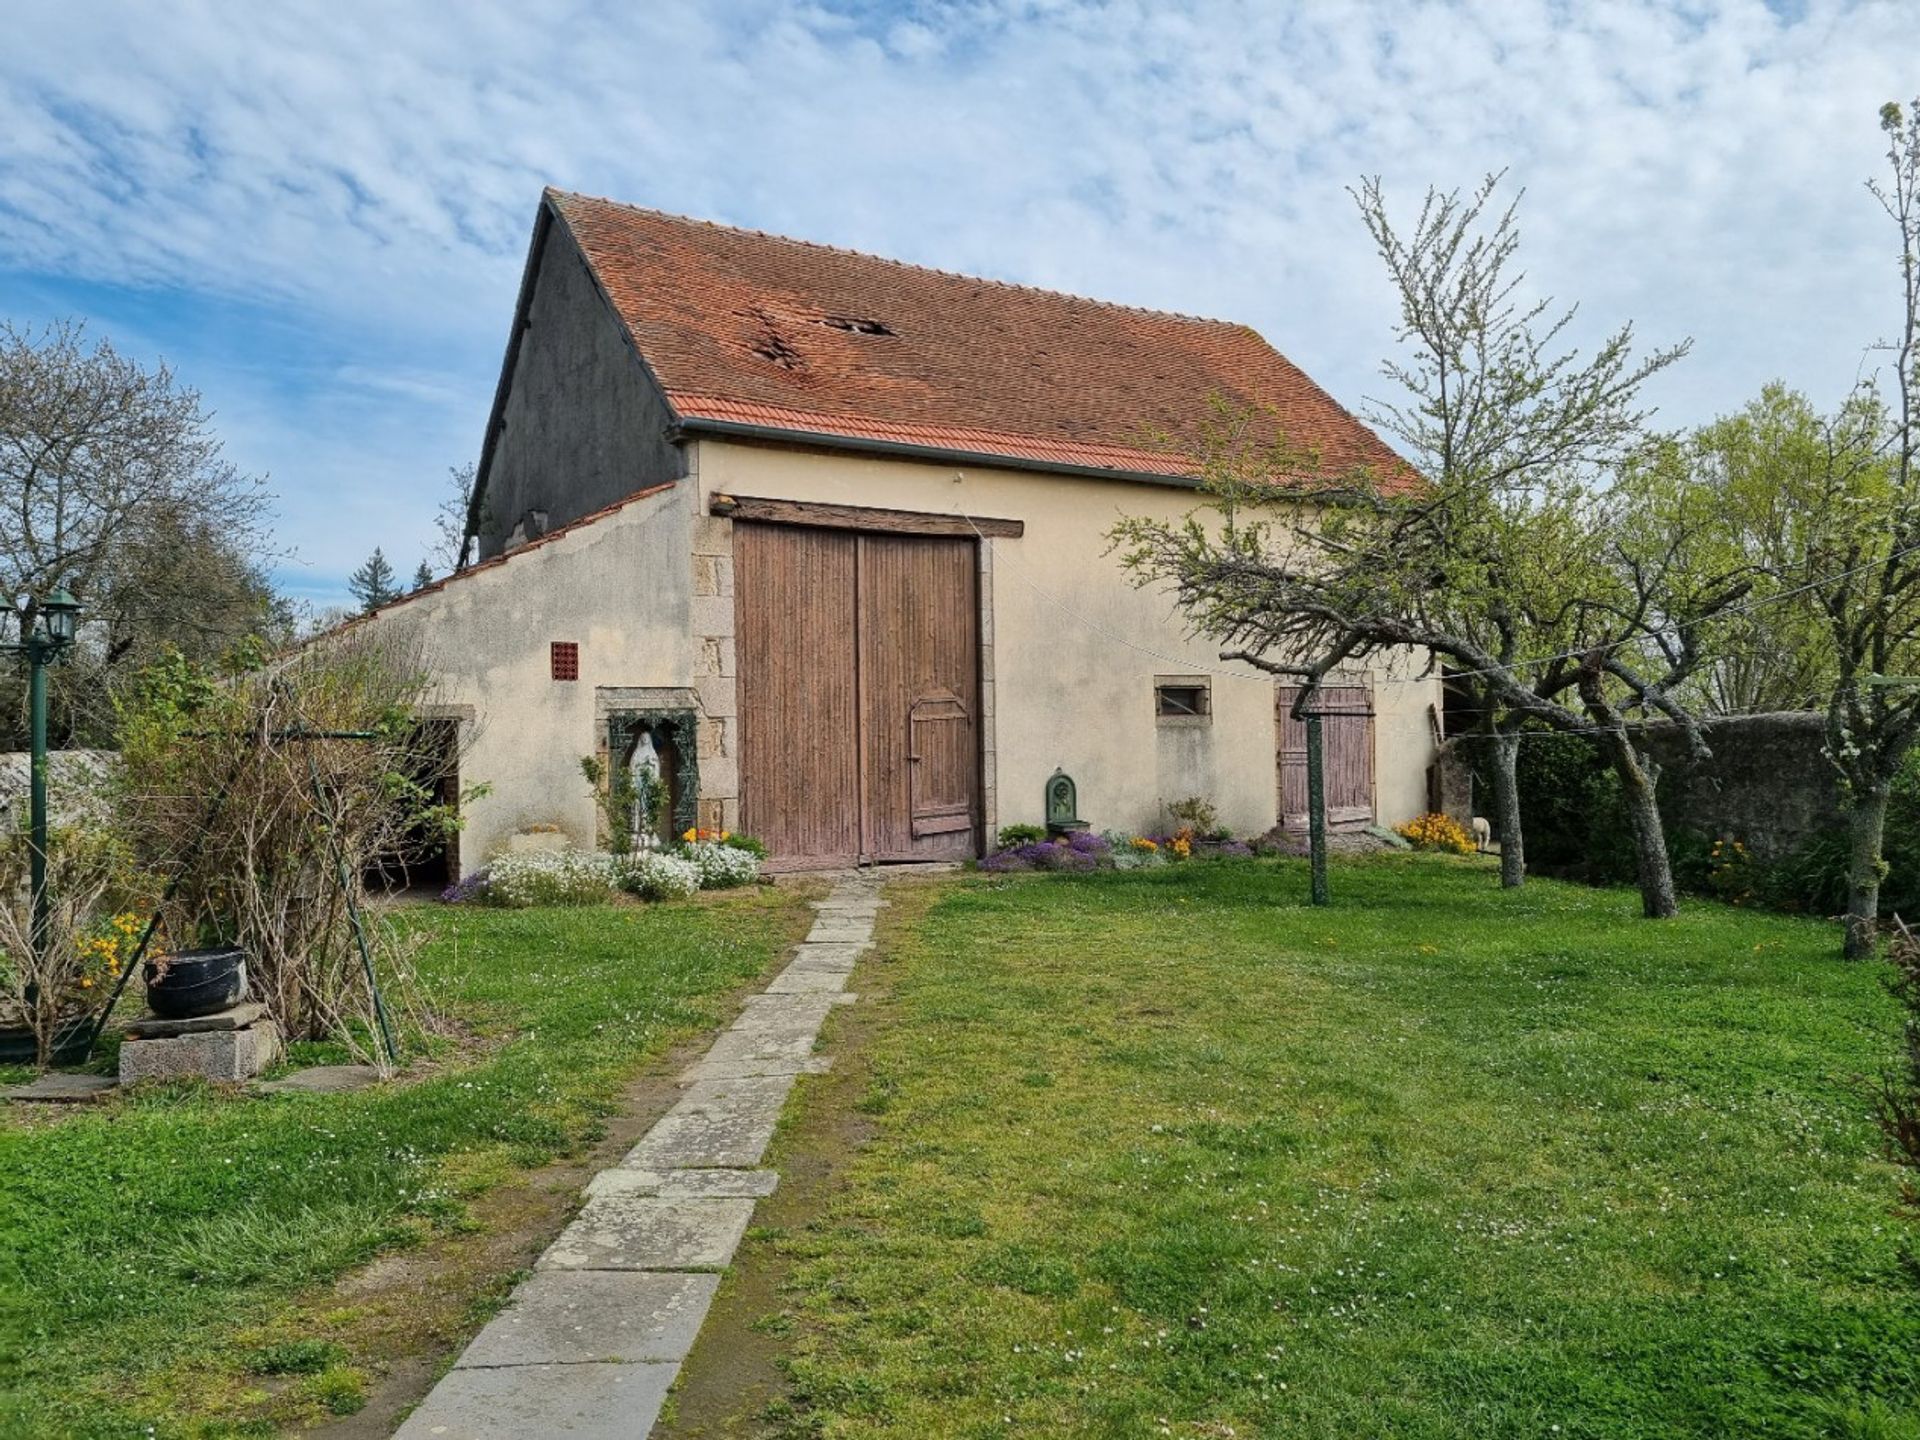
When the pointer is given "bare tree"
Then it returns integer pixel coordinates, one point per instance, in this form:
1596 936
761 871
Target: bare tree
1502 546
450 550
1493 403
113 484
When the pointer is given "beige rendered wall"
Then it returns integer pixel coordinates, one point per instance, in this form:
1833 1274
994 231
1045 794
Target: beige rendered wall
1074 649
620 587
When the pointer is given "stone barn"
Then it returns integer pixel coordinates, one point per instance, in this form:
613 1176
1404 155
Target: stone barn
828 535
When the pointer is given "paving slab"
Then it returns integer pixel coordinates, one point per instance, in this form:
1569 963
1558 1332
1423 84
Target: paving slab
701 1139
704 1184
626 1180
766 1065
583 1402
747 1096
323 1080
54 1088
155 1027
812 980
785 1011
838 956
561 1318
827 933
763 1045
644 1232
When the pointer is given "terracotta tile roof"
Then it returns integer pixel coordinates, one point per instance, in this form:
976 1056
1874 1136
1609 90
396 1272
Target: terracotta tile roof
747 327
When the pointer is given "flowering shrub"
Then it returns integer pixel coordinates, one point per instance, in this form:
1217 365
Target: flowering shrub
720 865
655 875
1114 850
1081 851
1134 852
1434 831
467 891
1732 875
551 877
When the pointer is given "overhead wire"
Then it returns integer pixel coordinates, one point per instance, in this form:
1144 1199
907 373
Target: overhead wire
1190 664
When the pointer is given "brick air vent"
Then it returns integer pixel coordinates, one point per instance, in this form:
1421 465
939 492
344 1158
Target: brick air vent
564 657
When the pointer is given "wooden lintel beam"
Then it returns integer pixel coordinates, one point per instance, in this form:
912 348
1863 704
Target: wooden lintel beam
862 517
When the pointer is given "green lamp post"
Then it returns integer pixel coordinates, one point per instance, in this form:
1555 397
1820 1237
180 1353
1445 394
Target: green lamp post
56 622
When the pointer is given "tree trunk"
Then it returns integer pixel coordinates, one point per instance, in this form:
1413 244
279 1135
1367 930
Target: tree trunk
1866 821
1505 749
1637 782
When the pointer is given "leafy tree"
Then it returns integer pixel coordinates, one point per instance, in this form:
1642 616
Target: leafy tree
115 486
422 575
374 584
1850 552
1770 469
1557 596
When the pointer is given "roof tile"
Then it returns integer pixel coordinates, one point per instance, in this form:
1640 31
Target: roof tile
748 327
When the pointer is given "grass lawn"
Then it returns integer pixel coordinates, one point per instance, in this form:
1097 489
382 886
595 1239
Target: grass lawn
1168 1153
152 1250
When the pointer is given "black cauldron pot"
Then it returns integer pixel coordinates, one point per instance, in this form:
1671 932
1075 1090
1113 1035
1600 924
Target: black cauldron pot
196 982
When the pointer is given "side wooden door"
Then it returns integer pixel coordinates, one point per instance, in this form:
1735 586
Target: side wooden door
919 670
1346 732
795 636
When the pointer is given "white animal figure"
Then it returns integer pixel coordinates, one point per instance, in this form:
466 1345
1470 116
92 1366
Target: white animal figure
1482 834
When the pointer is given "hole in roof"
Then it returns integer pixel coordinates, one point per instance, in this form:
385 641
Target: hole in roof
778 351
855 325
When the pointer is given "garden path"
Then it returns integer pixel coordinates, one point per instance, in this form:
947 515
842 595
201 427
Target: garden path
589 1345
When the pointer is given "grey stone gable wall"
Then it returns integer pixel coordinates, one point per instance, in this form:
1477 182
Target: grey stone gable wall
583 424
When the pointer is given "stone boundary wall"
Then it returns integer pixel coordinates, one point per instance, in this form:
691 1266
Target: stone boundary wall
1767 784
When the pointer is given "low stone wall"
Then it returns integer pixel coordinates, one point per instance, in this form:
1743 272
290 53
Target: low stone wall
74 778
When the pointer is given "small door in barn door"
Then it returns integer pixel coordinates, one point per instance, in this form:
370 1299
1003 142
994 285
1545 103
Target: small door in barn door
919 696
794 633
1346 737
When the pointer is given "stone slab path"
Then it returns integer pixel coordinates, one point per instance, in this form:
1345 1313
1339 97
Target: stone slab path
590 1344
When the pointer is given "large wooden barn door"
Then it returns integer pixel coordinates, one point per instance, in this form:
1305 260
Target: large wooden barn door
798 706
1346 735
919 668
859 662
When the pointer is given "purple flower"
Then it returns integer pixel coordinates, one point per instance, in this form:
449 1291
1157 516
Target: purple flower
462 892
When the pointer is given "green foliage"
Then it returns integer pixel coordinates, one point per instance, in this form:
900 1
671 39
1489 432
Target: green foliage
1014 835
255 786
747 843
614 788
374 584
1439 1161
295 1357
1197 814
163 1230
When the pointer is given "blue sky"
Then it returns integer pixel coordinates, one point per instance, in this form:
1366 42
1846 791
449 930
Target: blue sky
318 212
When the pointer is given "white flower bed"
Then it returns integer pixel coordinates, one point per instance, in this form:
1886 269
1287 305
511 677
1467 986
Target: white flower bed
722 866
551 877
655 875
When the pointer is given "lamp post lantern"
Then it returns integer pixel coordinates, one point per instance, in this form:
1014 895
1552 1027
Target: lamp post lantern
56 622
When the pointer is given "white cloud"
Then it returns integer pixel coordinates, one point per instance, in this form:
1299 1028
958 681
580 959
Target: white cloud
363 176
